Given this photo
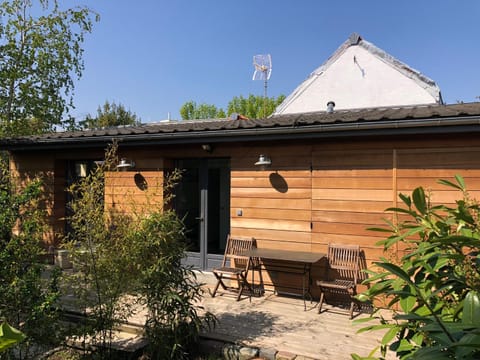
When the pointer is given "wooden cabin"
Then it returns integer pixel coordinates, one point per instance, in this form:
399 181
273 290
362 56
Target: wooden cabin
331 176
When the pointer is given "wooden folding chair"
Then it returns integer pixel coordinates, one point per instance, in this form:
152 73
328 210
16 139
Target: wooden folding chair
342 273
234 265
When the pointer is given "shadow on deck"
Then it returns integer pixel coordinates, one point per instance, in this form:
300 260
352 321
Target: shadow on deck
279 323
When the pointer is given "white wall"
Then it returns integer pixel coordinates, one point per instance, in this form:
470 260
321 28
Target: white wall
366 82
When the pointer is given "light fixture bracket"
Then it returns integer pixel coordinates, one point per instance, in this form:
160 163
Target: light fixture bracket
125 164
263 161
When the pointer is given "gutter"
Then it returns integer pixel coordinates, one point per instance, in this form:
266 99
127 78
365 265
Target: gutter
355 129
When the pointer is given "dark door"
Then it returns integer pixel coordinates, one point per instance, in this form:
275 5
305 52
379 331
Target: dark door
203 201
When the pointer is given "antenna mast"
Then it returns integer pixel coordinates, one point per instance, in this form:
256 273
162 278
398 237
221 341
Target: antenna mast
263 70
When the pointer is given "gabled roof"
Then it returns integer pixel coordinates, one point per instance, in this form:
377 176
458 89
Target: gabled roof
359 74
428 119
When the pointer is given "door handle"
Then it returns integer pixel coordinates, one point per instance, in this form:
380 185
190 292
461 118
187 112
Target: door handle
200 218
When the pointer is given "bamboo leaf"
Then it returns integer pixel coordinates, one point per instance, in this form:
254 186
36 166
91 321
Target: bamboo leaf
460 181
379 229
374 327
449 183
401 210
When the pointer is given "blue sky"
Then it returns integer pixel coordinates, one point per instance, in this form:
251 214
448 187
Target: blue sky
152 56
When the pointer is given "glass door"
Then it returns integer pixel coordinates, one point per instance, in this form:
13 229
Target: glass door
203 202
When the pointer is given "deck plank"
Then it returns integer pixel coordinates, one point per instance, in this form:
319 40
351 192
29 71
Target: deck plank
280 322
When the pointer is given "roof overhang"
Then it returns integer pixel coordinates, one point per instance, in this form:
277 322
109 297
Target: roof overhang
427 120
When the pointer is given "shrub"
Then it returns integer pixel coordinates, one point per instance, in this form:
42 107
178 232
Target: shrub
102 257
435 285
116 255
167 288
28 299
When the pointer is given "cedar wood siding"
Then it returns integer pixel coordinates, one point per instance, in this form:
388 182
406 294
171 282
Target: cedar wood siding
315 192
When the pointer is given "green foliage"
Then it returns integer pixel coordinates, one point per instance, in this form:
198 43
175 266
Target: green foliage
101 254
167 288
40 53
435 285
253 107
110 114
9 336
121 259
191 110
28 300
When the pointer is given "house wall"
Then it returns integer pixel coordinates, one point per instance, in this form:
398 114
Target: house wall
50 166
358 79
315 192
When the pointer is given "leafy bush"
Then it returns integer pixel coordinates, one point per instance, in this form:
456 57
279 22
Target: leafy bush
167 288
102 257
434 288
28 299
117 255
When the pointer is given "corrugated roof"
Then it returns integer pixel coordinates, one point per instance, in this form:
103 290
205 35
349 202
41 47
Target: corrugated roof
433 118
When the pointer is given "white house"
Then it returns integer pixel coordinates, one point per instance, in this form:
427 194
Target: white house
360 75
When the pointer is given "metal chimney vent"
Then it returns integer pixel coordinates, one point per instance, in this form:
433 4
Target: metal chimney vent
330 107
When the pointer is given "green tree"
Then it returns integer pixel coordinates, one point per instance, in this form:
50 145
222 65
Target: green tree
435 285
108 115
191 110
254 106
40 56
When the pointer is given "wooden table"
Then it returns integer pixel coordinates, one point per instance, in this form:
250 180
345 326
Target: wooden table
304 258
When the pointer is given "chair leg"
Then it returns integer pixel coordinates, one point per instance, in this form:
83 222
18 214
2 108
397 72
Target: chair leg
219 282
351 309
320 303
240 287
216 288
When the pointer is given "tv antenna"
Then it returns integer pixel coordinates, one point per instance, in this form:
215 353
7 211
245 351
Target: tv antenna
263 70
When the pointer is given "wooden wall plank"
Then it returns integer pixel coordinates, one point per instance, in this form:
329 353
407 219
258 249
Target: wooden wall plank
280 224
270 193
284 214
264 182
272 235
301 204
338 182
352 194
350 205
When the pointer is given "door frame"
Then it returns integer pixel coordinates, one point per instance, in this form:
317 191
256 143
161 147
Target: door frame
204 260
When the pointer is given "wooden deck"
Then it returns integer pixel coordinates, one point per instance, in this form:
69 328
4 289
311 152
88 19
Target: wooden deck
280 323
270 323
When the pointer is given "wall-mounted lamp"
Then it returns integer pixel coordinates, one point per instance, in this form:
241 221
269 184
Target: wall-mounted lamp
207 147
81 169
263 162
125 164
